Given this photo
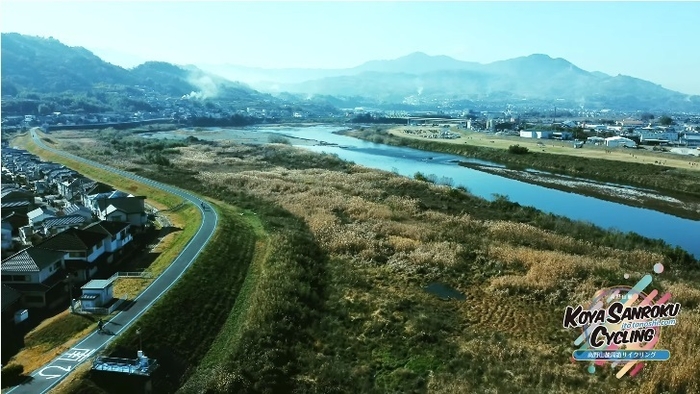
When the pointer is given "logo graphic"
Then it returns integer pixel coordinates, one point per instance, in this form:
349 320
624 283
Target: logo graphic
622 326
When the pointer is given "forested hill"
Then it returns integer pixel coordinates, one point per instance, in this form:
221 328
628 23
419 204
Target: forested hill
45 66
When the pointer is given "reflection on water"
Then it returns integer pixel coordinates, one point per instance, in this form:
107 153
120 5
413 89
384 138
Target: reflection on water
406 161
445 292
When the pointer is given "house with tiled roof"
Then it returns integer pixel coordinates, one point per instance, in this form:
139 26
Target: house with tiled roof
37 274
55 225
16 200
91 192
59 175
117 232
39 215
78 209
84 251
73 187
93 201
130 209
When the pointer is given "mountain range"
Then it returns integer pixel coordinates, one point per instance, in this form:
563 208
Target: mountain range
420 78
45 65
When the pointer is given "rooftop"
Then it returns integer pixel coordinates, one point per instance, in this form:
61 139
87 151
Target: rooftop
125 204
9 296
15 204
15 193
72 240
97 284
73 208
64 221
32 259
107 227
41 211
134 366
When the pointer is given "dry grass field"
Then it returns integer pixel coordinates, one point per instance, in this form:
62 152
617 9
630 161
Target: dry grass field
395 248
388 237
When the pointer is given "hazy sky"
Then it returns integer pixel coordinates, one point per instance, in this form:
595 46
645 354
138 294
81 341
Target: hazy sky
656 41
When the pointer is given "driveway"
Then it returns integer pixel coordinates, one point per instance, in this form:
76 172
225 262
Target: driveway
46 377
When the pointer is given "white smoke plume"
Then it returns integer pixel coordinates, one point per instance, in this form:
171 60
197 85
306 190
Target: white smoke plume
206 86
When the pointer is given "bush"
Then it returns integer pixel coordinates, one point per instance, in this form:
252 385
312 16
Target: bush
420 177
12 375
277 139
518 150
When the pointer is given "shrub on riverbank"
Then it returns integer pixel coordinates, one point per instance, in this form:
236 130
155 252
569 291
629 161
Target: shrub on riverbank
518 150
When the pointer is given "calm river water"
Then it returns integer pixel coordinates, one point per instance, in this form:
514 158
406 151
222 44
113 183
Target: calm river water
406 161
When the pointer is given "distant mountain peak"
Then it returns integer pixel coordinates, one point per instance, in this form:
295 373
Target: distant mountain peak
420 55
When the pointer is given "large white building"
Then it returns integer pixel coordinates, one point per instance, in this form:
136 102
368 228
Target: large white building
656 135
536 134
614 142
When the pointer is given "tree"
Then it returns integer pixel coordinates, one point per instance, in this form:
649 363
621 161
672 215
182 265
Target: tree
665 120
44 109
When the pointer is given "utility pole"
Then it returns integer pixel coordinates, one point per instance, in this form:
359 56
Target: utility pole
138 332
69 278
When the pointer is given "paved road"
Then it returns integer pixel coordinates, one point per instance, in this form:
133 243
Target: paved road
46 377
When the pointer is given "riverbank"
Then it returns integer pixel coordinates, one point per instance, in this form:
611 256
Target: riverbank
625 195
675 183
356 313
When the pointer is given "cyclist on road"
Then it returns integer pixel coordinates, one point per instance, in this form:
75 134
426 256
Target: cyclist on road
100 324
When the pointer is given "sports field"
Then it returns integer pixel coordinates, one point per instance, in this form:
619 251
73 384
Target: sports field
556 147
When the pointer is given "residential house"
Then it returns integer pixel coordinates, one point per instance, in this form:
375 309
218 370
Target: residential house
6 236
117 232
40 187
11 303
16 200
90 193
45 168
28 236
84 251
78 209
73 187
36 273
39 215
92 199
122 208
17 220
56 176
55 225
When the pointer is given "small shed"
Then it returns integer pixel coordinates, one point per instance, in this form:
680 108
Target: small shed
97 293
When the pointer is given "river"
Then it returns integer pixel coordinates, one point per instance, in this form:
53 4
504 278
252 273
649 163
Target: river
406 161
